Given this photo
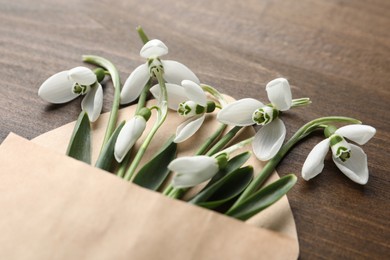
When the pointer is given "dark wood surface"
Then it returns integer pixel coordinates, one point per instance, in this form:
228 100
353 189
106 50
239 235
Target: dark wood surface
335 52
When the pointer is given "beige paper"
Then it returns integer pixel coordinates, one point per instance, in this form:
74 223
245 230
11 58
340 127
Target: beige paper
55 207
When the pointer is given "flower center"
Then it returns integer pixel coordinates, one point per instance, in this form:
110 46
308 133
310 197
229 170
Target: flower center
155 65
80 89
190 108
340 148
264 115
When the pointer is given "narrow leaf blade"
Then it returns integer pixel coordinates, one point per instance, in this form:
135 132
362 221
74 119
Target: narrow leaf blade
80 143
106 156
263 198
225 189
153 174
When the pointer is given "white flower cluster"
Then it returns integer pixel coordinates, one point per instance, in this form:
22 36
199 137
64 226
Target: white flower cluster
187 96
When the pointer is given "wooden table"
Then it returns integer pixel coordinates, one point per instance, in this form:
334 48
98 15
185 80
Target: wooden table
335 52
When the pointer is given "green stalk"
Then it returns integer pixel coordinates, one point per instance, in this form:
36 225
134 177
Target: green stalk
176 193
304 131
167 190
202 150
142 34
141 103
161 115
224 140
110 67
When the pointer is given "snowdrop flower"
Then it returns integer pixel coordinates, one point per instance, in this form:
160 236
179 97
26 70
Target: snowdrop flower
173 71
190 101
130 133
69 84
349 158
193 170
249 111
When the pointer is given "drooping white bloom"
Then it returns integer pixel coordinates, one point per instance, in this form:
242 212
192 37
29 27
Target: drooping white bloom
128 135
190 101
66 85
193 170
173 71
349 158
249 111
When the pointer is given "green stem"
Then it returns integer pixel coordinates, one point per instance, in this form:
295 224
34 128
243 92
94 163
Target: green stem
224 140
234 147
300 102
141 103
211 140
167 190
161 115
110 67
304 131
176 193
142 98
142 34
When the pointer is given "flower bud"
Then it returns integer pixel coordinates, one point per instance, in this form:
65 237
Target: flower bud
193 170
99 72
210 106
128 135
222 160
329 130
145 113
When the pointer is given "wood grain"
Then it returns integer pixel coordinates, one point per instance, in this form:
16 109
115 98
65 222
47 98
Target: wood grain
335 52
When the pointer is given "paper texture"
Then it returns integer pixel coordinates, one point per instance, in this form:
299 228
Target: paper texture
55 207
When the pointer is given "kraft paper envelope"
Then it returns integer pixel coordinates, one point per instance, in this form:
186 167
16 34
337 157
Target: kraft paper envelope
54 207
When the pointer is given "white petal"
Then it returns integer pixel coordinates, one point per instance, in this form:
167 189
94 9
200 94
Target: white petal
315 160
93 102
82 75
355 167
153 48
269 139
176 94
128 135
134 84
57 89
194 92
360 134
279 93
240 112
188 128
193 170
175 72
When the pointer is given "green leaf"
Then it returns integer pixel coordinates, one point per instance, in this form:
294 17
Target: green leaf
263 198
232 165
80 143
153 174
106 156
225 189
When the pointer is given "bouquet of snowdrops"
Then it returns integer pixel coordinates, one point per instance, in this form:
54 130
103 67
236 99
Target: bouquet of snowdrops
228 186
